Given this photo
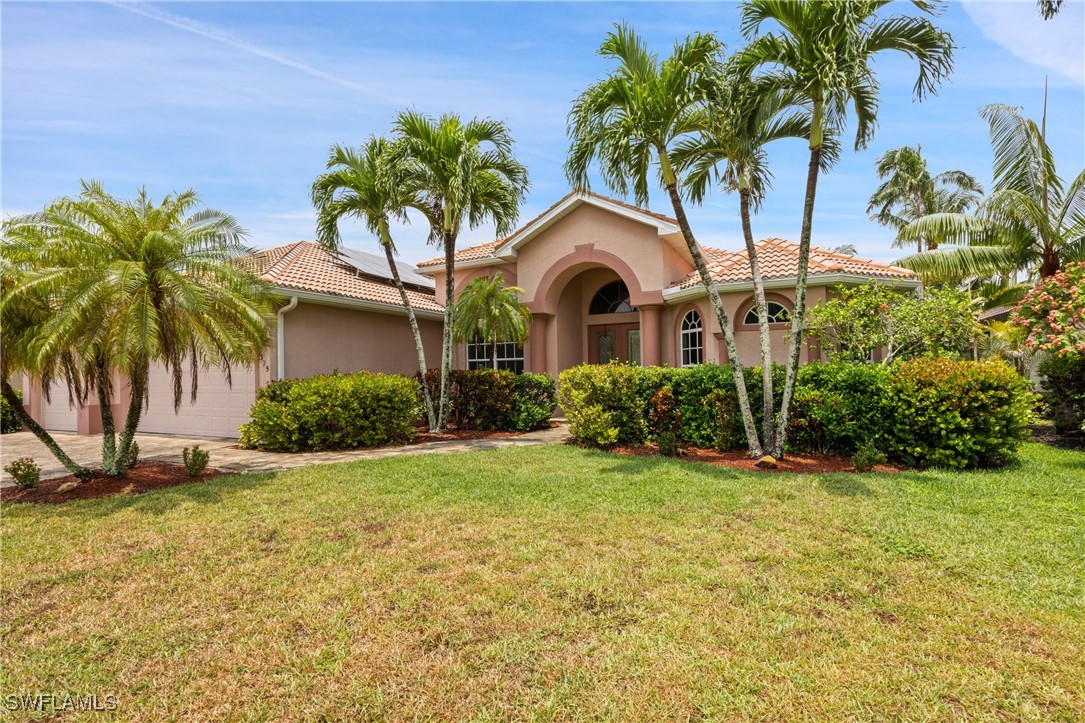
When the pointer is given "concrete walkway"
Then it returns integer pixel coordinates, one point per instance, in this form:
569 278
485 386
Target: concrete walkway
225 454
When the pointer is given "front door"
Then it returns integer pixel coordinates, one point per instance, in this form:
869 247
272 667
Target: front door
613 342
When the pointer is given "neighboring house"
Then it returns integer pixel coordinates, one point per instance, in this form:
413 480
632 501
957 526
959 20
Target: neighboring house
337 314
605 280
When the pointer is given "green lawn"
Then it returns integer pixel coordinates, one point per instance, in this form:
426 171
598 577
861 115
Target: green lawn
558 583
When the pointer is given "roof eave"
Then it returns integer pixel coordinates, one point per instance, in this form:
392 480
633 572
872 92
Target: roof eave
325 299
676 295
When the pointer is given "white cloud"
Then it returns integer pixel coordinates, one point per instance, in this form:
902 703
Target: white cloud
1057 44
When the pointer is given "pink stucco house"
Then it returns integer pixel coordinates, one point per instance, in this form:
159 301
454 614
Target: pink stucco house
603 279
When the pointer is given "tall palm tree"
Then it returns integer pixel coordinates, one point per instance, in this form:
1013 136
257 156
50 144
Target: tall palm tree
636 118
20 318
132 282
367 185
1030 221
822 52
491 311
744 117
909 191
468 175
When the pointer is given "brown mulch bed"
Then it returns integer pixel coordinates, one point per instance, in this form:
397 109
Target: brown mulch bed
1045 433
144 477
804 463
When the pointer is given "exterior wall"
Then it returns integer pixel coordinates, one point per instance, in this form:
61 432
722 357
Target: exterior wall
321 339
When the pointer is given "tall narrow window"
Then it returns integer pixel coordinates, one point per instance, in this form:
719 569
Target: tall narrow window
692 339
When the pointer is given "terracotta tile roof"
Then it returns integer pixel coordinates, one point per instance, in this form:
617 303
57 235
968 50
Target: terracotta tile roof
487 249
307 266
780 259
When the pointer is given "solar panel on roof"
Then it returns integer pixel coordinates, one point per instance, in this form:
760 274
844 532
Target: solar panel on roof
374 265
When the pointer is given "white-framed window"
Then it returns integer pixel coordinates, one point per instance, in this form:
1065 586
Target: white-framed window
692 339
778 314
510 356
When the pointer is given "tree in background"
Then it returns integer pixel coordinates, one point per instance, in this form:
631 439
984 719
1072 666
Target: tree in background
130 283
909 191
1053 313
822 52
368 185
1030 222
488 310
467 175
633 122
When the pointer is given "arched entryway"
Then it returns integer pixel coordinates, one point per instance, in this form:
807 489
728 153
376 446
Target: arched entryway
590 308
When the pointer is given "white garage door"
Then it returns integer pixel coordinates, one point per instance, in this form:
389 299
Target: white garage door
219 409
59 417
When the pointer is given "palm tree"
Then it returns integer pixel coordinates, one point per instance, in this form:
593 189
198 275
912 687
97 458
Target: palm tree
1049 8
637 117
467 174
490 311
20 318
131 283
909 192
822 53
1029 222
367 185
744 117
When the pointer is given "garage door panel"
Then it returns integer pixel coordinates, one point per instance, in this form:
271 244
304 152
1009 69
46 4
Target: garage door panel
218 411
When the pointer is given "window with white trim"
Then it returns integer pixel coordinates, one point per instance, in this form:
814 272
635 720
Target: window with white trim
692 339
778 314
510 356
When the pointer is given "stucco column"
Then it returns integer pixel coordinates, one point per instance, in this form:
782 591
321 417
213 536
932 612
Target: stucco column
537 342
649 334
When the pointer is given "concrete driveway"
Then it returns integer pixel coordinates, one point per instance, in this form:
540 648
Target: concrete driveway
225 454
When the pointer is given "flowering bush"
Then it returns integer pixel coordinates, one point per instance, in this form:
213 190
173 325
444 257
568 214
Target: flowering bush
1053 313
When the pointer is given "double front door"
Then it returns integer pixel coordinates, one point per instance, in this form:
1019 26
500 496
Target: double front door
613 342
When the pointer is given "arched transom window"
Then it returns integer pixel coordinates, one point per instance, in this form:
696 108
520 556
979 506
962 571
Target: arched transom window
778 314
692 339
611 299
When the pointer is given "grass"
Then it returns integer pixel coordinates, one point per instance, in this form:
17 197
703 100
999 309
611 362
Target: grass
558 583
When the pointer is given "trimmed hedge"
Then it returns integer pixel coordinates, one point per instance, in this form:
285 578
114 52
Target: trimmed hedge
332 411
1064 384
497 400
923 412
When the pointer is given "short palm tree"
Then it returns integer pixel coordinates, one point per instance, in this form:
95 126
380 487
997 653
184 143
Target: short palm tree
744 117
131 283
636 119
490 311
468 175
366 184
1030 222
822 52
909 191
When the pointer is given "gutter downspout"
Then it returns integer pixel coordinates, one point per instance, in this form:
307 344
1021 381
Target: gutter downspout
280 340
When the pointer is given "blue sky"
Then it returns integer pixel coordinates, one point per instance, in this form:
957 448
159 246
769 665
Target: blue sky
241 101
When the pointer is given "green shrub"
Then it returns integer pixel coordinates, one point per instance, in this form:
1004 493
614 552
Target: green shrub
8 421
591 424
133 456
482 399
867 457
703 424
534 399
24 471
664 419
1064 384
724 418
332 411
615 389
839 405
957 414
196 460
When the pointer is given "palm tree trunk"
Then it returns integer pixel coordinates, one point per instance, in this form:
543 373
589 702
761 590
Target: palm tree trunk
768 424
446 346
138 383
79 471
670 182
494 353
105 408
427 395
799 315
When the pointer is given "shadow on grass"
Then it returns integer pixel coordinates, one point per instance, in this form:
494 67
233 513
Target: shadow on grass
844 485
214 491
631 464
